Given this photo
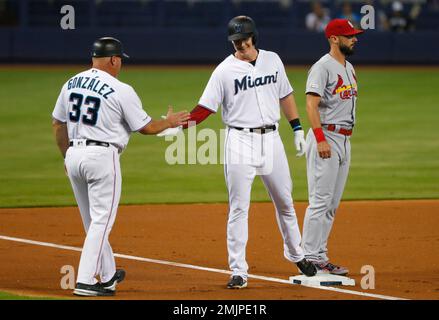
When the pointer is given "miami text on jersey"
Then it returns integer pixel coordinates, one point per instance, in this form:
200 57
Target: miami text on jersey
247 82
92 84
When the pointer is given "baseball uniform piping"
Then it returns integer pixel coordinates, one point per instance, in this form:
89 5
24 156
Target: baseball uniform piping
292 91
109 217
225 164
353 99
148 120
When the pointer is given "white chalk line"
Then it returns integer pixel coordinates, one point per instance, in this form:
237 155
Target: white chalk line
190 266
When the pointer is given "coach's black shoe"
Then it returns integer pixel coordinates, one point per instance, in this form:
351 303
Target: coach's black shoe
237 282
118 277
92 290
306 267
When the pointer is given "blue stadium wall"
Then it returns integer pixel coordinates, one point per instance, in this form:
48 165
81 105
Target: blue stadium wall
172 46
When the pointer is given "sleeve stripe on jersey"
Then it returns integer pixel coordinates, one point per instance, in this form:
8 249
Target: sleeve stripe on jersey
149 119
311 91
287 95
58 119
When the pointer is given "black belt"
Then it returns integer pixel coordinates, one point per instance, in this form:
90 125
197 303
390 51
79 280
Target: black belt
89 142
260 130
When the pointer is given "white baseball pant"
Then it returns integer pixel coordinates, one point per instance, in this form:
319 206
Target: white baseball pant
95 176
247 155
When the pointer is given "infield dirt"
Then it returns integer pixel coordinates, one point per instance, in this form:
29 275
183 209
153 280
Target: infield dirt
400 239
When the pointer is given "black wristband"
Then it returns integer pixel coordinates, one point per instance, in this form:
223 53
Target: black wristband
295 124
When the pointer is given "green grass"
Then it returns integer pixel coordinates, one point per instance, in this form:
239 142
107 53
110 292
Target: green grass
9 296
395 147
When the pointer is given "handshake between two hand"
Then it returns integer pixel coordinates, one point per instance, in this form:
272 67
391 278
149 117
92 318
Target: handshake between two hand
176 120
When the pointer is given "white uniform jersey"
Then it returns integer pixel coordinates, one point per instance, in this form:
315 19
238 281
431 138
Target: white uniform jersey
249 95
97 106
337 85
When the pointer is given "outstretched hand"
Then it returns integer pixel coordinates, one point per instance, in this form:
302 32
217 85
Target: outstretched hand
177 119
176 122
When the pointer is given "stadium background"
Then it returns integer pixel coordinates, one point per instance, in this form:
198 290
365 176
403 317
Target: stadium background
192 31
174 46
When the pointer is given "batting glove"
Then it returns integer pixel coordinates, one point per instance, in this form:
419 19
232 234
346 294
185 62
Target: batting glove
299 141
170 132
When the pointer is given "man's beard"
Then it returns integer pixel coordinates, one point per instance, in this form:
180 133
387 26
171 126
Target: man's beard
346 50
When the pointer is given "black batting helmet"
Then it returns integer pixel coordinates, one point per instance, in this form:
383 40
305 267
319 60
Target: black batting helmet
242 27
108 47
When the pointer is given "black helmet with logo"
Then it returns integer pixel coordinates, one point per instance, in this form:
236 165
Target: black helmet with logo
108 47
242 27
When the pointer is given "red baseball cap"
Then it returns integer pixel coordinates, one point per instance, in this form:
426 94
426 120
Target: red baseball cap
341 27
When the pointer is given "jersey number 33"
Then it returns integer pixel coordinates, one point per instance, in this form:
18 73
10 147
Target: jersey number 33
91 102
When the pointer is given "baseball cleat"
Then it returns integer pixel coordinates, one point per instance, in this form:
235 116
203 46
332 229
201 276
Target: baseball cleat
306 267
92 290
327 267
118 277
333 269
237 282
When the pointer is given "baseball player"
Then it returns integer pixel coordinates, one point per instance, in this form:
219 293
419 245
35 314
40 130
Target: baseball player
93 119
331 94
251 85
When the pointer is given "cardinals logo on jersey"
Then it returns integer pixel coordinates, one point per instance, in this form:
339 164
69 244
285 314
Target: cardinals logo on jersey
345 91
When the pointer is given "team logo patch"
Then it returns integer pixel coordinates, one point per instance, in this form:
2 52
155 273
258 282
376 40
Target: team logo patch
238 28
345 91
